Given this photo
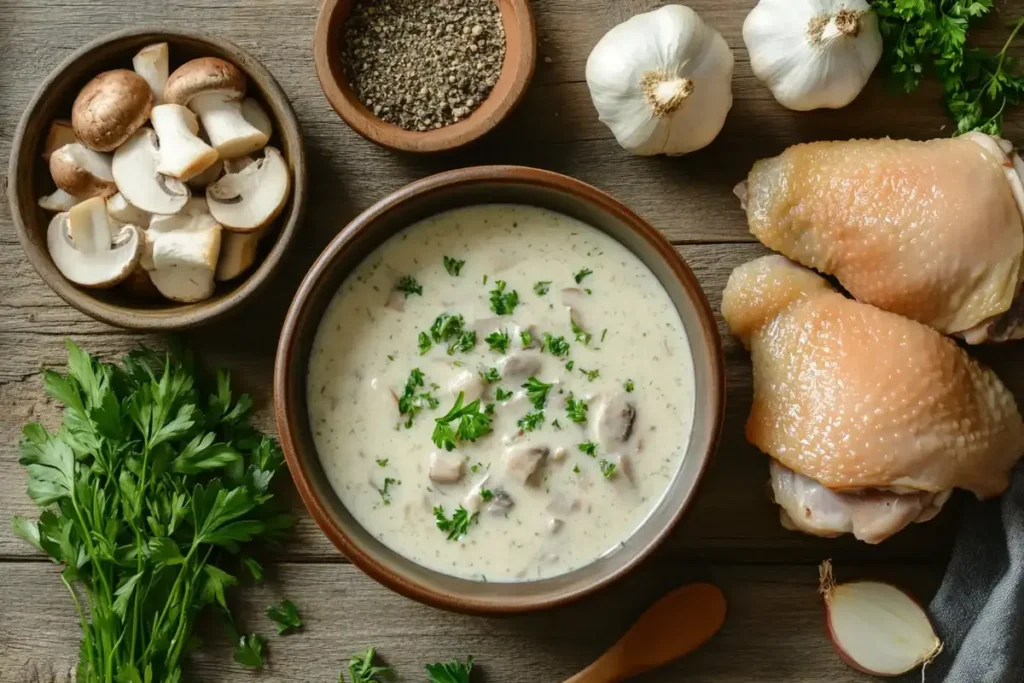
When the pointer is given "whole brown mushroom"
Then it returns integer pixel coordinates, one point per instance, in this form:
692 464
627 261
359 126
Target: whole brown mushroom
111 107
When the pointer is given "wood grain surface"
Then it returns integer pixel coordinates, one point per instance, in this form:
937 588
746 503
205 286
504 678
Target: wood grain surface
774 630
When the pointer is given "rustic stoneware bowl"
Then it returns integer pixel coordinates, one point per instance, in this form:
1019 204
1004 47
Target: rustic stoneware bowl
29 178
516 72
491 184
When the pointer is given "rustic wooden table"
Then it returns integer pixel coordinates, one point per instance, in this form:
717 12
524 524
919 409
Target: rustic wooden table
774 631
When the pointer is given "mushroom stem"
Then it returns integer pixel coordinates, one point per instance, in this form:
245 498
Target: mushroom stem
665 93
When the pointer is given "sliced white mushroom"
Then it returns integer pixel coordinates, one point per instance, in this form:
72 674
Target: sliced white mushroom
213 89
445 468
256 116
134 167
78 170
153 64
182 153
61 133
237 253
99 269
57 201
521 461
183 251
468 383
210 175
253 197
89 227
123 211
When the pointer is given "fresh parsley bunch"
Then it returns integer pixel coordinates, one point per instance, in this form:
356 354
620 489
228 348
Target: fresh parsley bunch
152 480
923 37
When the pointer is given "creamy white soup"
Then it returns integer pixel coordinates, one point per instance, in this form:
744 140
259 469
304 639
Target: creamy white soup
501 392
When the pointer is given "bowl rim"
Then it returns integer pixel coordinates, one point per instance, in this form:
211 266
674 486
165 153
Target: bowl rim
190 315
367 220
442 139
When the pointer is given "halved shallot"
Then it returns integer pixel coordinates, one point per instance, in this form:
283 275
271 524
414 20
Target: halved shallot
875 627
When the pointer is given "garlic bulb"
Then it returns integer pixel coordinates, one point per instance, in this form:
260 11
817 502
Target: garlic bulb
662 81
813 53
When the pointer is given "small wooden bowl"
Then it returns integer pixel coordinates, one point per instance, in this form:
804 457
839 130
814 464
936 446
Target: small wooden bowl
516 72
429 196
29 177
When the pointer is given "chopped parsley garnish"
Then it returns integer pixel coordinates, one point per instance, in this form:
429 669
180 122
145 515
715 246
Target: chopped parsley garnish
607 469
473 423
498 341
485 279
491 376
489 409
629 385
569 366
591 375
486 494
526 338
385 494
531 421
537 391
459 523
383 462
557 425
285 616
581 334
502 302
425 343
361 669
556 345
576 469
604 333
502 395
453 671
582 274
412 401
465 342
409 285
541 288
589 447
453 266
576 409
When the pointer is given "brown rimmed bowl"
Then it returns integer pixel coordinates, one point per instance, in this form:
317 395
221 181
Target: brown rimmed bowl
491 184
28 177
516 72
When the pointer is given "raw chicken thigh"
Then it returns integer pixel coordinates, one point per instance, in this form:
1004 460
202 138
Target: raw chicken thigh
873 418
930 230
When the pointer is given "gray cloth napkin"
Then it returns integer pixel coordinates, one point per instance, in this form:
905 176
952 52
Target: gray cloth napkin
979 609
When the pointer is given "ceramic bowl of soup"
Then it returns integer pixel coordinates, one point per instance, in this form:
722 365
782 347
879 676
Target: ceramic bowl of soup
498 390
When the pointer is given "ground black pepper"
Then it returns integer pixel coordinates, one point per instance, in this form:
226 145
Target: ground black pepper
423 64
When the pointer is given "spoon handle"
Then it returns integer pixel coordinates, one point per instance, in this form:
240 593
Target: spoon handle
676 625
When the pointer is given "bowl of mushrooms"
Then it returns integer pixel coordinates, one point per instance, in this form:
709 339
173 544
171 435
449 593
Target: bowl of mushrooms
156 178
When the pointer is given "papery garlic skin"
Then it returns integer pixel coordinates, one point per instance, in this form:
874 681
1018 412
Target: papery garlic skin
662 81
813 54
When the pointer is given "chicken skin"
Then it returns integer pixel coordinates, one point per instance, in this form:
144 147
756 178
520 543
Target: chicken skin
930 230
865 403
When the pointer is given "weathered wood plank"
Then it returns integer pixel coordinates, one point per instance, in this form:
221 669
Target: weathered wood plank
344 611
731 518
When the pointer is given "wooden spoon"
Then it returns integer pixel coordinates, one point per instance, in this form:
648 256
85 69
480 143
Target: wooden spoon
676 625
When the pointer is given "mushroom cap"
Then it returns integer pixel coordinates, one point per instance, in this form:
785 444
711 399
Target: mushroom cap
97 270
204 75
81 172
110 108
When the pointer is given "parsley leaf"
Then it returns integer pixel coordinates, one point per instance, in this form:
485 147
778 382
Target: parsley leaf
459 523
582 274
526 339
491 376
591 375
411 403
576 409
453 266
424 343
385 495
465 342
570 365
383 462
589 447
531 421
581 334
629 386
498 341
542 287
249 651
362 670
502 395
453 671
285 616
473 423
449 328
409 285
556 345
502 302
537 391
607 469
486 494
